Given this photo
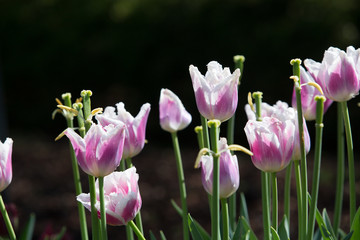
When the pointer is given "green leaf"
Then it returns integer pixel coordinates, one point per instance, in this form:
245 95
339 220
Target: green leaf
194 230
152 236
325 233
348 237
243 207
27 233
355 227
162 235
317 235
328 223
245 228
237 232
274 234
283 230
60 234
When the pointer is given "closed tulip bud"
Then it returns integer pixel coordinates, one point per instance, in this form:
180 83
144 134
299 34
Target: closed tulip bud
271 142
173 116
122 197
308 94
216 93
229 171
100 151
135 127
338 73
5 163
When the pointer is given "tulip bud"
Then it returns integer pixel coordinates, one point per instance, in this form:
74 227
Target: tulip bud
5 163
173 116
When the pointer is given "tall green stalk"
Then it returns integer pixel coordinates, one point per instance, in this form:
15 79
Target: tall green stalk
287 191
102 209
296 71
215 221
351 167
340 176
239 63
205 132
264 177
7 220
317 162
225 218
182 187
76 175
136 230
299 197
274 213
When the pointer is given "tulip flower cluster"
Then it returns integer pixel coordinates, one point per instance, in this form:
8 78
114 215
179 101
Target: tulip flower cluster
104 142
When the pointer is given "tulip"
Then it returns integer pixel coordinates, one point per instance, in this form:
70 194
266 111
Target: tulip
283 112
216 93
308 94
5 163
338 73
229 171
122 197
135 127
272 143
173 116
100 151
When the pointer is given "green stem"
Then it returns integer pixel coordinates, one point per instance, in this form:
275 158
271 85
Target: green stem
200 138
351 166
274 201
181 180
296 70
136 230
317 162
215 221
7 219
265 205
287 191
225 218
86 94
94 215
340 176
102 209
299 196
76 175
205 132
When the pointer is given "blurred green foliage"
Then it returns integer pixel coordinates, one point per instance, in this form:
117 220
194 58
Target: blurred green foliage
127 50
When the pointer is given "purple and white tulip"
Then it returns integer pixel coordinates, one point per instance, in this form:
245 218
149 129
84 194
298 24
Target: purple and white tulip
173 115
135 127
271 142
229 171
122 197
5 163
338 74
308 94
216 93
99 153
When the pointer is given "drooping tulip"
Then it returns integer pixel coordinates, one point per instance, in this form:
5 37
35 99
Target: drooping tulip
283 112
122 197
135 127
5 163
173 115
308 94
99 153
229 171
271 142
216 93
338 74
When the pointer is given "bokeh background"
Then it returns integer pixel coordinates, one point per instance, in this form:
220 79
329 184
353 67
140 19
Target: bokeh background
127 50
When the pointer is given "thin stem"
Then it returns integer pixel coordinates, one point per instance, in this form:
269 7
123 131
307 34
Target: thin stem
200 138
7 219
274 201
76 175
317 162
304 213
136 230
102 209
299 196
182 187
86 94
351 166
205 132
94 216
215 221
225 218
340 176
265 205
287 191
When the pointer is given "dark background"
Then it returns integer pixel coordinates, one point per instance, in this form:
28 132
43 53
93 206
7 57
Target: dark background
127 50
